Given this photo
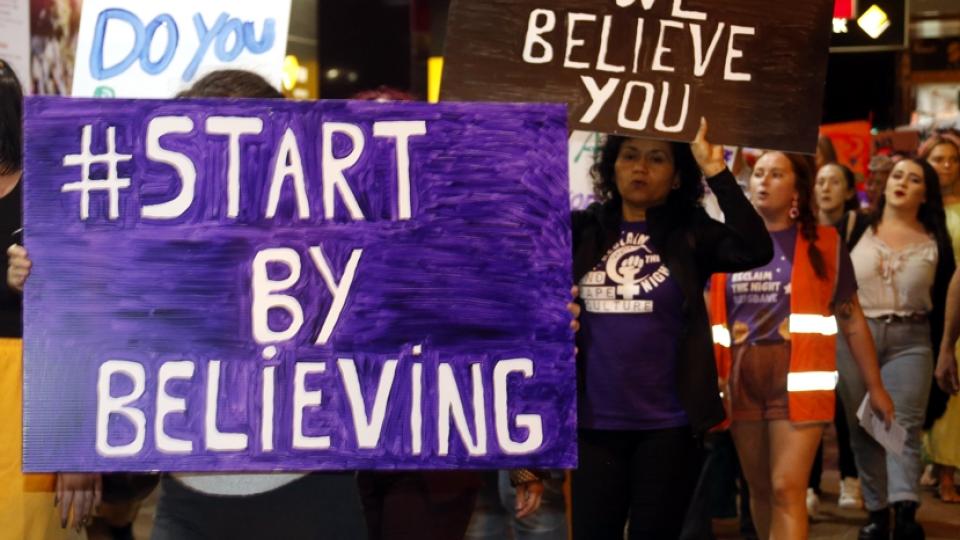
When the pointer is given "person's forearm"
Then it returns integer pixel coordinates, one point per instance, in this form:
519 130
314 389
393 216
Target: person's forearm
951 324
742 241
853 326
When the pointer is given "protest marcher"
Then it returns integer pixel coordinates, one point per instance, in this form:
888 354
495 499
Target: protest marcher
648 389
836 196
278 505
444 504
947 370
826 152
836 193
267 505
903 261
943 437
775 327
879 168
496 514
26 500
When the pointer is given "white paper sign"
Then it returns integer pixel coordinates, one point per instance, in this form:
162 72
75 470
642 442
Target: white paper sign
892 439
583 145
156 49
15 38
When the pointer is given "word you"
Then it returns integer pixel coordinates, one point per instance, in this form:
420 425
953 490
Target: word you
607 71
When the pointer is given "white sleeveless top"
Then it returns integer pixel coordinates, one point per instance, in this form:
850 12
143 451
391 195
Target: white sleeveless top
894 282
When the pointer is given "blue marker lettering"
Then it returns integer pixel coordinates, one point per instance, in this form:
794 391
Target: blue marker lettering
206 37
265 43
232 27
97 70
173 35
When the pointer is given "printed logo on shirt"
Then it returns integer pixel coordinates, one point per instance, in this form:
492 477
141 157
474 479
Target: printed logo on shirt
763 297
755 287
625 277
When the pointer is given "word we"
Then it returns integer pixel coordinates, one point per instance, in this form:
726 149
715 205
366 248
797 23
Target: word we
607 64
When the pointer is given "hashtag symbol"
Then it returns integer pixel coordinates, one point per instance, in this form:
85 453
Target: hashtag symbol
112 184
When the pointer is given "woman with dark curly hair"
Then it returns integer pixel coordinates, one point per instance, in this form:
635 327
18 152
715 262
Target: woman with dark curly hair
775 328
648 387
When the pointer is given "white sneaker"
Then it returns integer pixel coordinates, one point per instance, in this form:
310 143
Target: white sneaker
850 494
813 502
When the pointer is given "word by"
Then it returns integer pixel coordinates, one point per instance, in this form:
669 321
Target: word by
228 37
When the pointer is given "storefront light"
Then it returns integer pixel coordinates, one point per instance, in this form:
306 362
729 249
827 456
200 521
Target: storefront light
874 21
434 73
291 72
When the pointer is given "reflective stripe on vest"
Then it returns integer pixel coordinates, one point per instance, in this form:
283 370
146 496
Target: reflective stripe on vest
813 324
721 336
808 381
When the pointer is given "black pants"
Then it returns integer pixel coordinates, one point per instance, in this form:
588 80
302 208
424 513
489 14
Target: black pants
647 477
317 506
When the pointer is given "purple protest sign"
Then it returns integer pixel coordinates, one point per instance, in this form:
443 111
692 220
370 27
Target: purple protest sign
267 285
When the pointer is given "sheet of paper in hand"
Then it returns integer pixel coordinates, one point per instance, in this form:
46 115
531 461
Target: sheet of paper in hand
754 68
268 285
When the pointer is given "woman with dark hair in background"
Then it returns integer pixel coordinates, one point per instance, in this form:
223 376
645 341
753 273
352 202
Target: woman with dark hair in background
836 193
26 500
826 153
777 351
647 384
943 422
903 261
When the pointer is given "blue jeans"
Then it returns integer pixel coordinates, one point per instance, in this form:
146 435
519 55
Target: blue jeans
906 367
494 516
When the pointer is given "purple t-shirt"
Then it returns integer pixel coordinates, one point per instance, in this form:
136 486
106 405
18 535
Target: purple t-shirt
630 329
758 301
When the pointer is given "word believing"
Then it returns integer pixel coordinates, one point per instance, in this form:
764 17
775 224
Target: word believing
603 56
269 285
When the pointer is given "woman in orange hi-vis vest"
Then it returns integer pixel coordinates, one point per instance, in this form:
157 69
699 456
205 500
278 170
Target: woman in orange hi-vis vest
775 331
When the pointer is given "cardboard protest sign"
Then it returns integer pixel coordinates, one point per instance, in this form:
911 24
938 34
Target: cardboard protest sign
853 142
155 49
905 140
264 285
754 68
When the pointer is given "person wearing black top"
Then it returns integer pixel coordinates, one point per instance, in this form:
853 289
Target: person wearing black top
647 380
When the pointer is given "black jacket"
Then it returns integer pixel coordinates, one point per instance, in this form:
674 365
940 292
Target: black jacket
693 246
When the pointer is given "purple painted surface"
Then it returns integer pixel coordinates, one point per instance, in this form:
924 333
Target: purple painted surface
479 274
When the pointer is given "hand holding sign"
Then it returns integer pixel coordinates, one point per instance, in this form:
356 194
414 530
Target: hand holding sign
708 156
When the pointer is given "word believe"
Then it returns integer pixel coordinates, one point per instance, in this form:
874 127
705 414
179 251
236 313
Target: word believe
596 57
